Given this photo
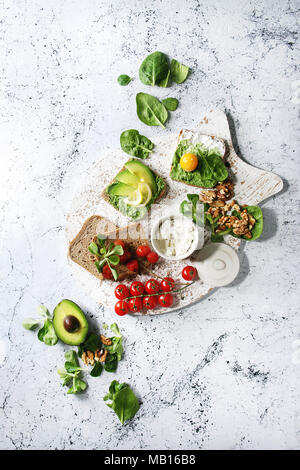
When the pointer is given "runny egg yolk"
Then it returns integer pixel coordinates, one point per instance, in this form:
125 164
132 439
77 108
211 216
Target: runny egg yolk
189 162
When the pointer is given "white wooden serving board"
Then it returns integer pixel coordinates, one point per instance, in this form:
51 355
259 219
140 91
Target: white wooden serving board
252 186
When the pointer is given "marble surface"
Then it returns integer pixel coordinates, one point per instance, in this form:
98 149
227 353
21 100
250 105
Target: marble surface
223 373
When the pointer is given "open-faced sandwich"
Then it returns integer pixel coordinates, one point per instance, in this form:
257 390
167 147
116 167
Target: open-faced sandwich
199 160
134 189
108 254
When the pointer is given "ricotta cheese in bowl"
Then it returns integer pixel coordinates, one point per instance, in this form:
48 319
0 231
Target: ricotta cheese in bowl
175 237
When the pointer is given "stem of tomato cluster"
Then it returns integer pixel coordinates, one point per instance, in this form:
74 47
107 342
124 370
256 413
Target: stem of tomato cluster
174 291
156 275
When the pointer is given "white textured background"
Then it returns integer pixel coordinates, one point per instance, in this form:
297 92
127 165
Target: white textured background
224 373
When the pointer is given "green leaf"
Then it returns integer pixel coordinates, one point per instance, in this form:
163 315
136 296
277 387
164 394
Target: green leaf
78 386
165 82
118 250
114 260
93 248
216 238
179 72
133 143
150 110
170 103
114 272
256 212
116 347
92 343
30 323
154 68
96 370
111 363
124 79
115 329
101 239
124 402
47 334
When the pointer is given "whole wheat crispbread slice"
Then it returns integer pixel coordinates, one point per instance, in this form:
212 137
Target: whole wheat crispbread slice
185 134
132 235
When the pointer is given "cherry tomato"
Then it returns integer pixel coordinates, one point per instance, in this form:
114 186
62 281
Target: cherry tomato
152 257
106 272
121 292
150 302
142 251
133 266
137 288
189 273
121 307
125 257
167 284
119 242
165 300
152 286
135 304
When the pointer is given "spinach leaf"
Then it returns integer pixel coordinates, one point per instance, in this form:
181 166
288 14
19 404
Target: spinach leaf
133 143
124 80
216 238
111 362
47 333
179 72
124 402
92 343
256 212
96 370
170 103
154 68
256 232
150 110
165 82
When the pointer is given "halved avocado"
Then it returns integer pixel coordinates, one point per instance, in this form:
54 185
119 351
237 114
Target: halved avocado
128 178
143 173
120 189
70 323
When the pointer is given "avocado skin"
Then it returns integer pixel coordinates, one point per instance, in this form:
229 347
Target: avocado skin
64 308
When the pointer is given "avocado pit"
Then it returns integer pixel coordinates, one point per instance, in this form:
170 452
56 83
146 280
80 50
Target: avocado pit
71 324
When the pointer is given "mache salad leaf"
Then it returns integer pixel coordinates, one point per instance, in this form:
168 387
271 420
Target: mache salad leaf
123 401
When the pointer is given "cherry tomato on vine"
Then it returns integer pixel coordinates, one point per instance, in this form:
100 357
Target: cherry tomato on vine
135 304
166 300
150 302
189 273
152 257
167 284
137 288
119 242
106 272
121 292
121 307
152 286
142 251
133 266
125 256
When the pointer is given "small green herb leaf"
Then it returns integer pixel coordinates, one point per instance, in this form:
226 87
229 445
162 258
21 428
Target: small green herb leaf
170 103
124 402
118 250
124 79
30 323
47 334
114 260
111 362
93 248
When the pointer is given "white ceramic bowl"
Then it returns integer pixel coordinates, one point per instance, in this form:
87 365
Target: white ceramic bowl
185 223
